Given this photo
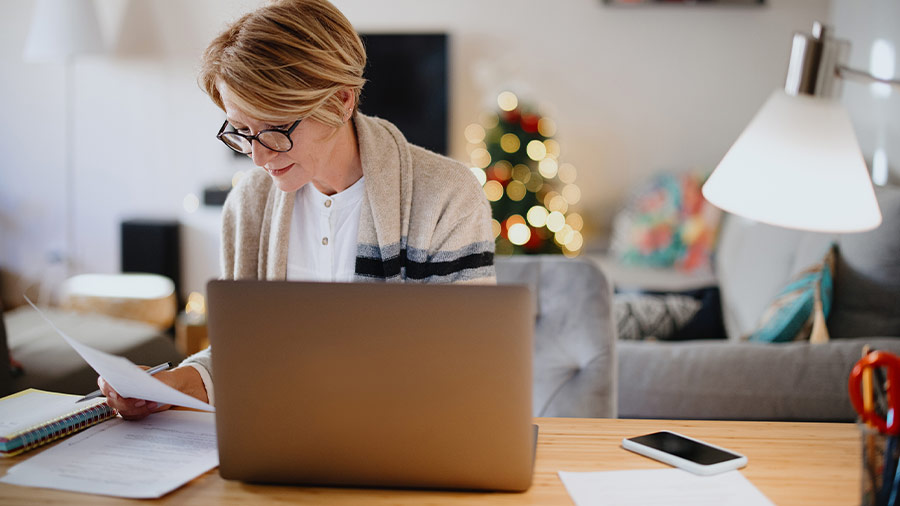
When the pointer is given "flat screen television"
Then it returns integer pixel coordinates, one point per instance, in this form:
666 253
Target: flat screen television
407 84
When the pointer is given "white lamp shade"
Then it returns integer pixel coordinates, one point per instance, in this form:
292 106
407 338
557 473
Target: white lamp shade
62 28
797 165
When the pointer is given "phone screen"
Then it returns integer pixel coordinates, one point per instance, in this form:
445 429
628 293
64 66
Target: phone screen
684 448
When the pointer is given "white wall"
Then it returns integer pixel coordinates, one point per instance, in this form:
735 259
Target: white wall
876 116
633 91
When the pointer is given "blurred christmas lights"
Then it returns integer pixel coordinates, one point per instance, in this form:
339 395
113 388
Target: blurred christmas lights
532 194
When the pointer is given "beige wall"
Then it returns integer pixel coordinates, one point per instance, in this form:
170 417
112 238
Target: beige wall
633 91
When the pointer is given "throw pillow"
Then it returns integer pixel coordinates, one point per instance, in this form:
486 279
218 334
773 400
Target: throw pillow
666 223
867 276
799 311
650 317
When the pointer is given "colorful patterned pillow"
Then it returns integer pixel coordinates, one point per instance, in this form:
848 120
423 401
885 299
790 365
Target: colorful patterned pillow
667 223
652 317
799 311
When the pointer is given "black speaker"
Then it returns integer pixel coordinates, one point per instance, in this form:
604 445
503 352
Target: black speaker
153 246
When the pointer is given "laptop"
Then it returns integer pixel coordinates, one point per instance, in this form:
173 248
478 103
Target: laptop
381 385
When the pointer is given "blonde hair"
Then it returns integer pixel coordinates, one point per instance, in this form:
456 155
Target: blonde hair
287 60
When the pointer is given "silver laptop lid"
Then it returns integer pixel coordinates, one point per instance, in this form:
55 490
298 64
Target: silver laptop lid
394 385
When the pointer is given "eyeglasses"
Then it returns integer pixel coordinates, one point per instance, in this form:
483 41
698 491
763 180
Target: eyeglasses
274 139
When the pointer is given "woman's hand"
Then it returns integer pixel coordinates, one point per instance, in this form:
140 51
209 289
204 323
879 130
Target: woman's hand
184 379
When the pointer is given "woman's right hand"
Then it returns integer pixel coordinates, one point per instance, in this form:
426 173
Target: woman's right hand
129 408
183 379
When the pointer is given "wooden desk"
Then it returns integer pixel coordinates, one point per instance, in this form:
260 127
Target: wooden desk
791 463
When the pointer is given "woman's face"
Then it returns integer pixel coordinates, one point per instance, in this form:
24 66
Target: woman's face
317 155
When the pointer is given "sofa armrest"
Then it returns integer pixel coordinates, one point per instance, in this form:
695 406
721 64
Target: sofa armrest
574 335
740 381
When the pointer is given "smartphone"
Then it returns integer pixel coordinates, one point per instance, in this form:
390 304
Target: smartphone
685 453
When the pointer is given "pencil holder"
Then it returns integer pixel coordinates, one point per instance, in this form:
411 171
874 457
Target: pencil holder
880 477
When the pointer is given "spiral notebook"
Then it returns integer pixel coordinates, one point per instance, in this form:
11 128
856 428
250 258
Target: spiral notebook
32 417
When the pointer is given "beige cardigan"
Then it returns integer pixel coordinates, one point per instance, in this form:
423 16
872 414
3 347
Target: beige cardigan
424 218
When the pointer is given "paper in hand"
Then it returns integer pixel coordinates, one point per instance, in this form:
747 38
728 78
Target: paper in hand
128 379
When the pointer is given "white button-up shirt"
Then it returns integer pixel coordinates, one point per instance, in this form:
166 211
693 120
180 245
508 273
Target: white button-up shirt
322 242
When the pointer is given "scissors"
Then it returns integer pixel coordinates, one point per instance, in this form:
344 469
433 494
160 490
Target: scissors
861 388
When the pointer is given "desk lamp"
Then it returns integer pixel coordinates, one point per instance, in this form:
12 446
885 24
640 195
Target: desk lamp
798 164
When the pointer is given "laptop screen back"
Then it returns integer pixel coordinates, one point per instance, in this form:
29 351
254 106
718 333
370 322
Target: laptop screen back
373 384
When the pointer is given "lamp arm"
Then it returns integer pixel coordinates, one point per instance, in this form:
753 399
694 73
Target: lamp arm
845 72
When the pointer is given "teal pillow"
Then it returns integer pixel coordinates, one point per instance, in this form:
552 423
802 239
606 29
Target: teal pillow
803 303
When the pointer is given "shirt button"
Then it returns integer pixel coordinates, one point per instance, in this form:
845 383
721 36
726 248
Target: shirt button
324 241
327 203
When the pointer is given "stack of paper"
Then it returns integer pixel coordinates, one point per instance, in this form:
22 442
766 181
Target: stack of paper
661 486
142 459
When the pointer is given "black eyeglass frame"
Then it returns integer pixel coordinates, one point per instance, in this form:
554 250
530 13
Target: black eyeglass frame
250 138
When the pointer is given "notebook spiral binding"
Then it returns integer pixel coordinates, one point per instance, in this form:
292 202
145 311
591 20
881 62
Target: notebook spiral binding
60 427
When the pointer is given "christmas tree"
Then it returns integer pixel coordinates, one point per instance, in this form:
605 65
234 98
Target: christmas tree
516 159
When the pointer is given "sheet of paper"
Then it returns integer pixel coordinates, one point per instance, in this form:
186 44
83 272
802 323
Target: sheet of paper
142 459
662 487
127 378
35 407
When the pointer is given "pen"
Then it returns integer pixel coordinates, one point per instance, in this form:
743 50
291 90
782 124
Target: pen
151 371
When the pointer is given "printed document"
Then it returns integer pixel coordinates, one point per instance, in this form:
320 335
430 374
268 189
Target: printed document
137 459
127 378
662 487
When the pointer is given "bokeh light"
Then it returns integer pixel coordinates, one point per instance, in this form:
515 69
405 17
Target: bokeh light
575 221
563 235
575 242
480 157
559 204
474 133
196 304
510 143
552 148
555 221
503 170
572 193
489 120
516 190
537 216
535 183
521 172
519 234
547 127
493 190
536 150
479 175
512 220
507 100
548 168
567 173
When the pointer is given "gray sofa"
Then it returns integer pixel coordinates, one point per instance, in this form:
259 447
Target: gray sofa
731 379
574 335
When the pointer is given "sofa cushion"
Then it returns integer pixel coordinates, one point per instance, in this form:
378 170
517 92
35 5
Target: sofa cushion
867 277
642 316
805 300
795 381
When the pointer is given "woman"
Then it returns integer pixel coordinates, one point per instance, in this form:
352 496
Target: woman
336 195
